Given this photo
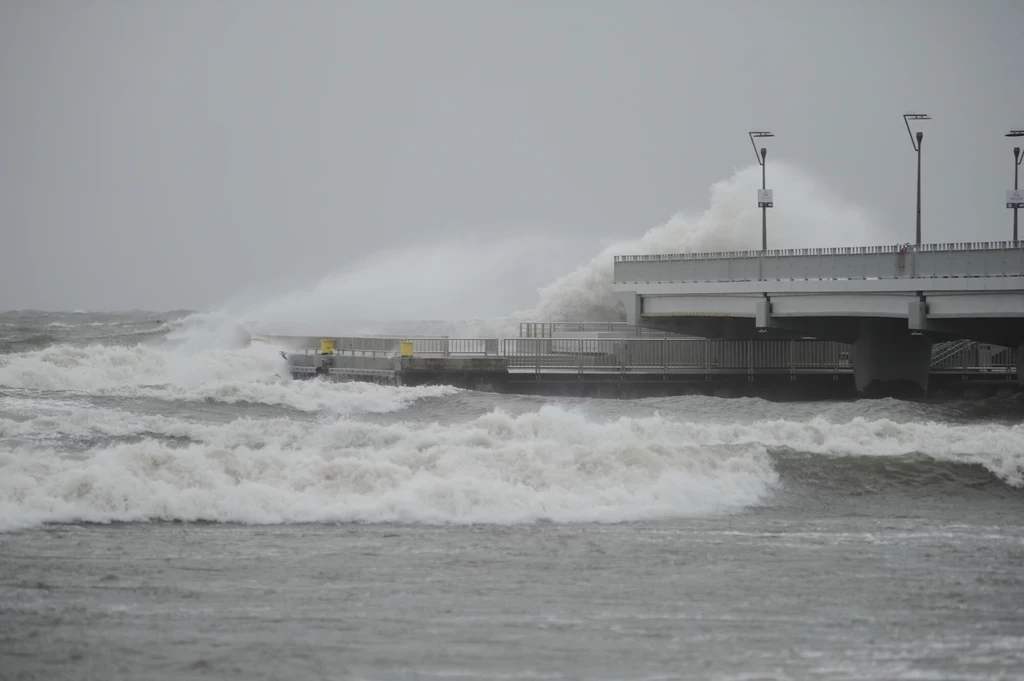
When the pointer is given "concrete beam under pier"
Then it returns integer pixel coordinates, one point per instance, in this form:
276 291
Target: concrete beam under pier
839 329
887 358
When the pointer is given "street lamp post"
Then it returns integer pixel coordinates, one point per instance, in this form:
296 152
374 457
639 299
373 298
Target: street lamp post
917 147
1014 200
764 197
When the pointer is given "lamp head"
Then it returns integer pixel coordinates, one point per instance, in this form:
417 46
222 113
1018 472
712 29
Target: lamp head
759 133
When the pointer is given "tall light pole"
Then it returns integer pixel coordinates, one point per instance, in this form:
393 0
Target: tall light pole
917 147
1014 200
764 197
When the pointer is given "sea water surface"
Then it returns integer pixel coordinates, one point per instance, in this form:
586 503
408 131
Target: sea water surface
173 506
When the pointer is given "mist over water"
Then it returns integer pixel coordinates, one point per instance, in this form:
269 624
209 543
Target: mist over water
461 289
472 278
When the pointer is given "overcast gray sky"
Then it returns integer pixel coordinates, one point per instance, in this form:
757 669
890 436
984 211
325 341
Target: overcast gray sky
174 154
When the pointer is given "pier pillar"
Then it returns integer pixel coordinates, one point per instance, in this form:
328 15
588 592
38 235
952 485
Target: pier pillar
633 306
1020 365
888 360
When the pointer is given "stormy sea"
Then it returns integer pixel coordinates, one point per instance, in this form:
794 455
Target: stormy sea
174 506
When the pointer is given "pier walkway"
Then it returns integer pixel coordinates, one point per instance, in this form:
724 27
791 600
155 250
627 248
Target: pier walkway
556 357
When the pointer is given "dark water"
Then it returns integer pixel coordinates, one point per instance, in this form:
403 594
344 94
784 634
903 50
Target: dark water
172 506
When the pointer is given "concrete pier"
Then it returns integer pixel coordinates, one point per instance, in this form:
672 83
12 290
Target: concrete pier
886 301
890 361
885 360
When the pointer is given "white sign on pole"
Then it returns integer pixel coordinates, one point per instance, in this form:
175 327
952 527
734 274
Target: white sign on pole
1015 198
764 198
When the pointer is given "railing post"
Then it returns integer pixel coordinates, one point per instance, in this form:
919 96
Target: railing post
664 358
579 355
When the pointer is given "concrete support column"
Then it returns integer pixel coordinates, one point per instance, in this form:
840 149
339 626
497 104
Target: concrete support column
632 303
1020 365
888 360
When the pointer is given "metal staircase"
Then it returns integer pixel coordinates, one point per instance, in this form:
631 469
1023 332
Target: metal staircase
946 349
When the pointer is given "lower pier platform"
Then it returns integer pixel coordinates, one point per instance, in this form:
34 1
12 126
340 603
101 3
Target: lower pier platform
783 370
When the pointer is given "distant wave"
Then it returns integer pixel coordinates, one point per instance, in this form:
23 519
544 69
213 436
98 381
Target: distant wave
26 342
870 474
23 331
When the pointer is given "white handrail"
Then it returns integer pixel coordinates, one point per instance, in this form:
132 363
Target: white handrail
835 250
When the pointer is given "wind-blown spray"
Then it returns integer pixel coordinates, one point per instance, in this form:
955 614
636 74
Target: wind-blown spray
449 279
807 216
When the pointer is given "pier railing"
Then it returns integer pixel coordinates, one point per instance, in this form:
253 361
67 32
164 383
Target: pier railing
555 329
670 354
953 260
391 346
972 357
674 355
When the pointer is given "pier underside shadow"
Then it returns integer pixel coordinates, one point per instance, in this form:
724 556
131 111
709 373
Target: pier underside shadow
888 359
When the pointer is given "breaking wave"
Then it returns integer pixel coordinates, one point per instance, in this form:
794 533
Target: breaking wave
550 464
732 222
256 375
201 358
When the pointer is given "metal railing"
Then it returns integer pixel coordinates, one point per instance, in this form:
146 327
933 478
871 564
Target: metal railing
973 357
675 355
363 344
964 260
670 354
945 349
391 346
836 250
553 329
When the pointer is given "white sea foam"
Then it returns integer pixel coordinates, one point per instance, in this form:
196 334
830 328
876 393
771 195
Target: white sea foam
549 464
552 464
96 368
310 396
191 368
